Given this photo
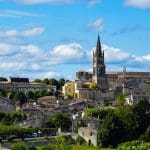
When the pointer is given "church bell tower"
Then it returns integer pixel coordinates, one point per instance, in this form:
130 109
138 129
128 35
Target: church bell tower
99 71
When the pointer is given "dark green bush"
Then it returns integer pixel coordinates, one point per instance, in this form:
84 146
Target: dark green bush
19 146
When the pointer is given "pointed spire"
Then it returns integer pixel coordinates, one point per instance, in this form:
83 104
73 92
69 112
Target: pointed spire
98 46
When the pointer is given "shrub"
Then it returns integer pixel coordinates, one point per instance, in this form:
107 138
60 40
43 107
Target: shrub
62 143
147 135
80 140
48 147
31 148
134 145
19 146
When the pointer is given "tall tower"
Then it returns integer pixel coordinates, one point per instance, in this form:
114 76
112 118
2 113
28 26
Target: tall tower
99 71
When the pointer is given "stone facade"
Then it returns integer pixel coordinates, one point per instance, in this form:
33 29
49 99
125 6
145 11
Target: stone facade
84 75
89 135
110 83
6 105
69 89
99 71
25 87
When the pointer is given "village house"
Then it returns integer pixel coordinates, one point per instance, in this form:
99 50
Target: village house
6 105
89 135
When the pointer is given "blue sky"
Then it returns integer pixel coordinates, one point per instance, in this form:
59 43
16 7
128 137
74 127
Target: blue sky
55 38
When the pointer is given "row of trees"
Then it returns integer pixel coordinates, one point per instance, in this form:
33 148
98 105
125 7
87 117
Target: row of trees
60 120
124 123
21 97
3 79
11 118
63 143
134 145
58 83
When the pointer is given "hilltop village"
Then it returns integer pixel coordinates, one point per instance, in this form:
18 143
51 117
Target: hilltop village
42 101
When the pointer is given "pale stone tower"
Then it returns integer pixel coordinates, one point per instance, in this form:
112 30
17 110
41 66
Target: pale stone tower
99 71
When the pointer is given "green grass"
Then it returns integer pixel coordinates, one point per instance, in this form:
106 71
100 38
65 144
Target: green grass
79 147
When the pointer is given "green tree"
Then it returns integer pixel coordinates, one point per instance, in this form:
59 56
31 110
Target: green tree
43 92
2 93
147 135
62 144
3 79
38 81
37 94
93 85
19 146
54 82
61 120
50 93
134 145
121 101
17 116
48 147
46 81
135 119
30 95
111 131
141 116
100 113
21 97
61 82
6 120
10 94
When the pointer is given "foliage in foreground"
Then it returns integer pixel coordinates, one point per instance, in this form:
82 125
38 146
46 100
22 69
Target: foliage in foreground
64 145
71 147
125 123
10 118
61 120
22 146
147 135
100 113
134 145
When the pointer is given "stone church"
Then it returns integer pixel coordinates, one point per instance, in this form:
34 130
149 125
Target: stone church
80 88
99 71
137 83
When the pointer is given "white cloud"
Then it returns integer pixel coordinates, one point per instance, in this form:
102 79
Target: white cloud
97 25
116 58
67 52
12 66
25 33
51 74
17 13
35 66
114 54
92 3
147 57
138 3
32 61
6 49
32 50
30 2
44 1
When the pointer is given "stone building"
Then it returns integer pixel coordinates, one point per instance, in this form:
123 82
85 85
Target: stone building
109 83
6 105
99 71
69 89
23 84
89 135
84 75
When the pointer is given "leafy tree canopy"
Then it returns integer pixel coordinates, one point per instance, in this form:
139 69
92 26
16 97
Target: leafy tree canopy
93 85
61 120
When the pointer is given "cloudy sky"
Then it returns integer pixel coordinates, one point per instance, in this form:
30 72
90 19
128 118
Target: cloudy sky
55 38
